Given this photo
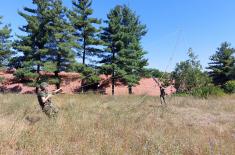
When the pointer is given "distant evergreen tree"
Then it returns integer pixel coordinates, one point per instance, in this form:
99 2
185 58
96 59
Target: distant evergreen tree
61 40
222 64
32 46
47 44
87 37
5 44
131 57
123 55
111 36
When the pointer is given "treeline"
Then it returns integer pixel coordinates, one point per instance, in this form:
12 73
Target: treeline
56 39
219 77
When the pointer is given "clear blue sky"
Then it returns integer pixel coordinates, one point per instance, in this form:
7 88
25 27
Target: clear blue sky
173 25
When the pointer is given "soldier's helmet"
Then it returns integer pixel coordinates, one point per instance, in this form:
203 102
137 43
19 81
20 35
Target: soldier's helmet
43 85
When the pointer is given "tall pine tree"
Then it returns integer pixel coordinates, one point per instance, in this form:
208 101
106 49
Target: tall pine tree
123 55
131 57
111 36
222 63
87 38
5 44
32 46
61 40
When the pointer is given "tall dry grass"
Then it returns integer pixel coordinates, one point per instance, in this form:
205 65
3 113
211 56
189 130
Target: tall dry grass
91 124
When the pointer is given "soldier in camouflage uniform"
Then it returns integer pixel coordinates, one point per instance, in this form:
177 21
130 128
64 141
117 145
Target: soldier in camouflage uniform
44 99
162 90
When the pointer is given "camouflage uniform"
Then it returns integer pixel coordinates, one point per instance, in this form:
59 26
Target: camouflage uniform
48 108
162 94
162 91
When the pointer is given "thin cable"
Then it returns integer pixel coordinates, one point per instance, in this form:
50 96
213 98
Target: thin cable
173 54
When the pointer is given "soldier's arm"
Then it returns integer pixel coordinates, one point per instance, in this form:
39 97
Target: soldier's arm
56 91
44 99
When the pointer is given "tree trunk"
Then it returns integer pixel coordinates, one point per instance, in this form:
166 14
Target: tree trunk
113 82
57 72
82 84
59 80
130 90
38 78
113 74
84 54
83 62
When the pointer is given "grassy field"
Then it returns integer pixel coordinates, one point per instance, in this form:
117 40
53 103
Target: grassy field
128 125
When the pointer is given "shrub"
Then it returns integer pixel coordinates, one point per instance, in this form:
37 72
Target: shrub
207 91
229 86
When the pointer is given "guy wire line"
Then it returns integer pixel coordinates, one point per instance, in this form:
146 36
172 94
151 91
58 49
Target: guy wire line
172 54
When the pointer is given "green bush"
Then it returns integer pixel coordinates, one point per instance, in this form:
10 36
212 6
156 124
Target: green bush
229 86
207 91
